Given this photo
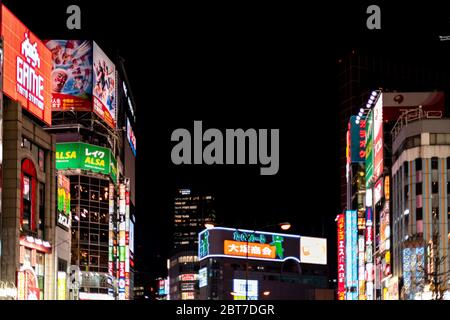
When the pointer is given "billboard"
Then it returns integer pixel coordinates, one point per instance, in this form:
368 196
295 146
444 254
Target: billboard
104 90
71 76
357 140
394 103
351 255
313 250
385 234
203 277
122 242
131 137
63 206
378 164
243 289
78 155
369 149
27 67
341 256
257 245
378 191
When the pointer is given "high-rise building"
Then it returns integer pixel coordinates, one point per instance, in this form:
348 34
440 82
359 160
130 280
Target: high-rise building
94 121
191 212
360 72
30 251
421 203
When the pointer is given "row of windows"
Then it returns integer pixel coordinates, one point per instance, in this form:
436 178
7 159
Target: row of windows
418 164
419 189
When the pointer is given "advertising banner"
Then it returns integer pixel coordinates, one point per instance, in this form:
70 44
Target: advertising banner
111 238
104 91
27 66
341 256
122 240
71 76
357 140
369 149
63 208
78 155
351 235
203 277
378 191
243 289
131 137
228 242
378 134
313 250
62 285
395 103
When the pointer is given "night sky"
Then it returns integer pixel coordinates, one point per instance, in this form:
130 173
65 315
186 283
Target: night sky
231 66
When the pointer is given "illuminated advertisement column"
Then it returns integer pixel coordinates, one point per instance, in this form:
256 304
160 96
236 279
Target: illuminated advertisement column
341 256
369 252
111 276
351 235
355 255
127 241
122 253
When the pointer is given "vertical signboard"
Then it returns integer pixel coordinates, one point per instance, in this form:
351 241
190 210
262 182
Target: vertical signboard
361 267
104 91
341 256
369 149
1 132
122 241
131 137
63 207
357 140
351 234
369 253
111 277
127 241
354 253
378 135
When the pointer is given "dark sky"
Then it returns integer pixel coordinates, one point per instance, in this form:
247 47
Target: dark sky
259 66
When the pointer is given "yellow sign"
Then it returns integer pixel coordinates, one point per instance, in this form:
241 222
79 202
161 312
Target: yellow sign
61 285
386 188
257 250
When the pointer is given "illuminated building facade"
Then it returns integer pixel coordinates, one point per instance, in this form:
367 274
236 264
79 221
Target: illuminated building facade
240 264
28 237
421 202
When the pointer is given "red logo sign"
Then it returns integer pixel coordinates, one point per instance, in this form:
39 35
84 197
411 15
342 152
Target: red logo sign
27 68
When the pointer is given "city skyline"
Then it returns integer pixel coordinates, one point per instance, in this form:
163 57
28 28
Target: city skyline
245 73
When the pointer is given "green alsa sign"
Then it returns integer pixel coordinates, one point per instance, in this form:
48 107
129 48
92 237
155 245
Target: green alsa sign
78 155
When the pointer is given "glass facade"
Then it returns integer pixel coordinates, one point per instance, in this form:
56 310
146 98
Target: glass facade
90 232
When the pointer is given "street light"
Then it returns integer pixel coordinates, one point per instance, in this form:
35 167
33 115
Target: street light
266 293
209 225
283 225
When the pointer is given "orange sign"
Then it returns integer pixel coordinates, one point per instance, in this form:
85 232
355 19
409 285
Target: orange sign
236 248
386 188
27 67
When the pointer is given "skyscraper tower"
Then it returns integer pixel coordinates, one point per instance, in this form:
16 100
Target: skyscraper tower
191 212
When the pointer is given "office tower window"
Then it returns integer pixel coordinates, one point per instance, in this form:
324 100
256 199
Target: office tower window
418 163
